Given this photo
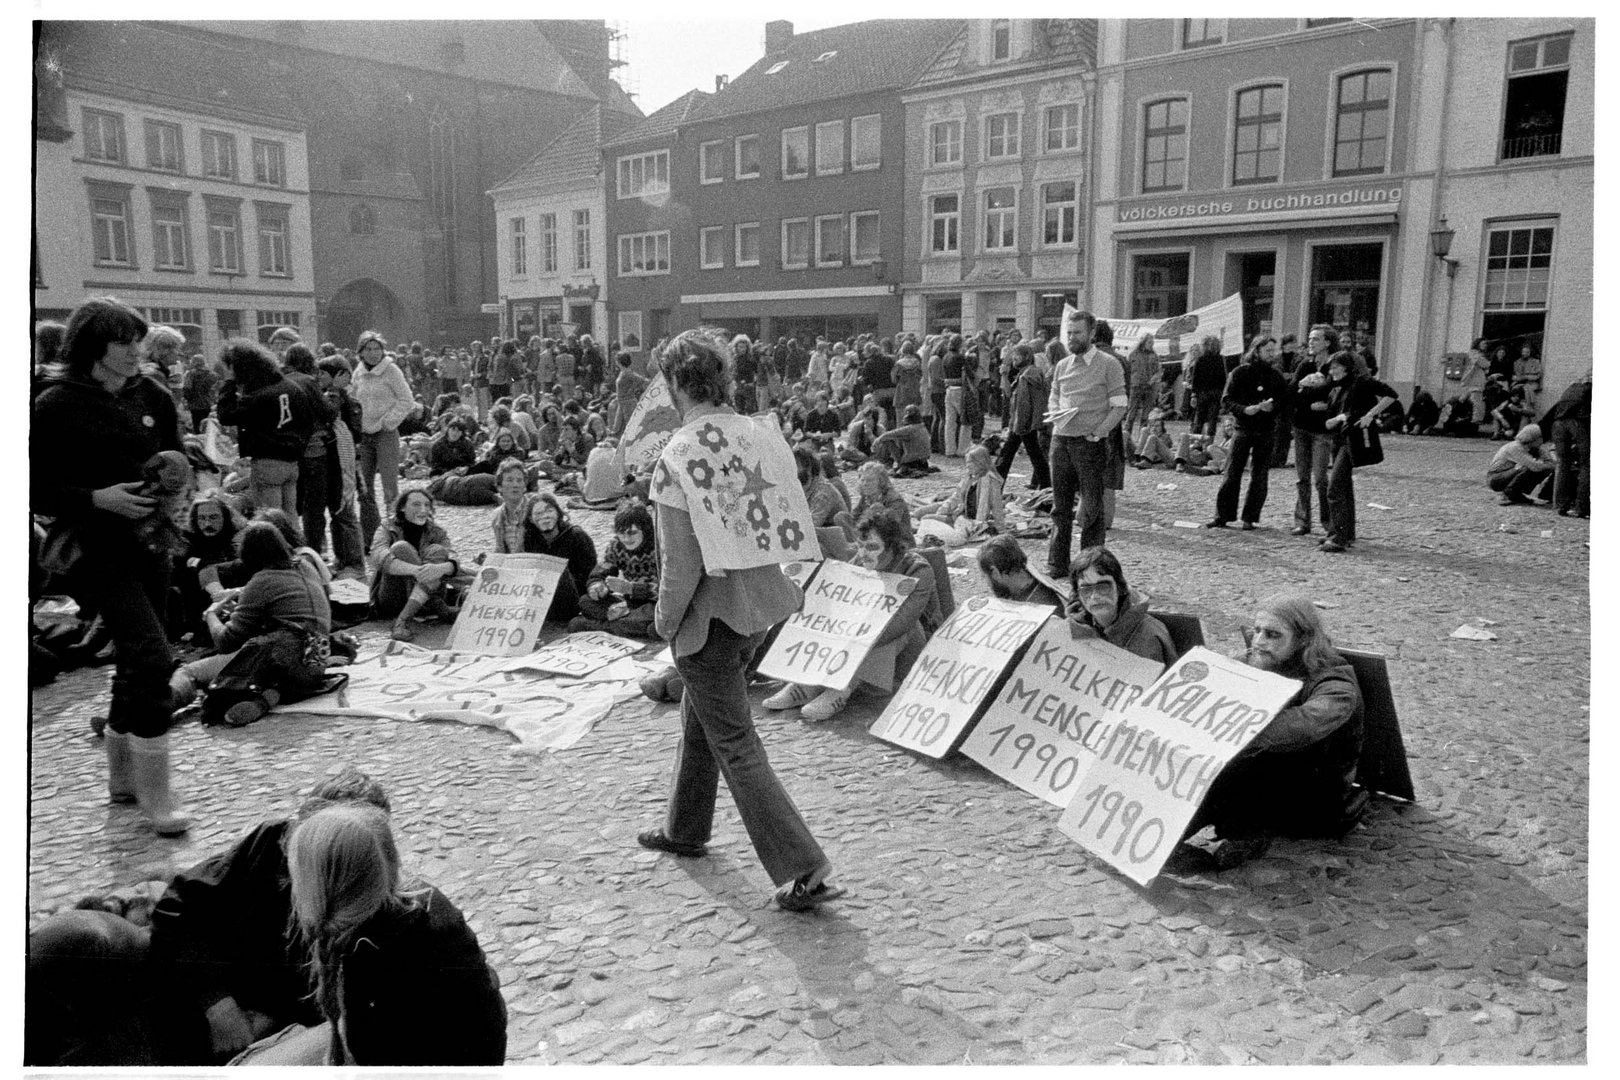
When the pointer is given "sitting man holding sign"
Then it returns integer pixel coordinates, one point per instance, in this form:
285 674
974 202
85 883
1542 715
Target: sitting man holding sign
1006 569
1297 777
1104 607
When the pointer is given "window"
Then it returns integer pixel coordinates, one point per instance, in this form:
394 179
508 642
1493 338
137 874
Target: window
1060 214
712 162
1000 219
548 243
795 153
747 253
795 243
1362 133
712 247
171 242
1538 82
187 320
830 240
362 220
1311 24
1518 268
163 146
945 143
1164 146
864 243
269 162
518 232
1001 135
219 155
274 260
103 136
1062 127
109 225
866 142
945 224
643 175
829 147
1000 39
224 237
582 239
746 153
641 254
1257 149
1160 286
1196 32
630 329
271 321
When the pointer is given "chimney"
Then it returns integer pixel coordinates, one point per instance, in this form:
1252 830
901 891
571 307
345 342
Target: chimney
720 82
777 36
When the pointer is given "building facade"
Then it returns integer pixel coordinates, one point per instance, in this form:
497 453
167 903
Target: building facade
186 198
997 191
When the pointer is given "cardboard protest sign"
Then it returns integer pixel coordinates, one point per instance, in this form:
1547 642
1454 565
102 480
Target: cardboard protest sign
578 655
956 672
845 608
737 479
506 607
651 423
1159 758
1054 712
1222 319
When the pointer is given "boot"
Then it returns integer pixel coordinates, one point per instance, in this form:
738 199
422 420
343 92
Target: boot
120 768
150 758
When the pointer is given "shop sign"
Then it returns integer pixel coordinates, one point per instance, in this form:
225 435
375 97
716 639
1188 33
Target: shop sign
1248 206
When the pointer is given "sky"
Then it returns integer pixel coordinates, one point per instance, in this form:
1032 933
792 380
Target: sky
666 59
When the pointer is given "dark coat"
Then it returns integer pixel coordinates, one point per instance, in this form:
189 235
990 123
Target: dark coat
273 422
1134 630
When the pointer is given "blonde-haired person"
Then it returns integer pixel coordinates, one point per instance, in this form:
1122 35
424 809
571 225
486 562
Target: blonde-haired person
975 507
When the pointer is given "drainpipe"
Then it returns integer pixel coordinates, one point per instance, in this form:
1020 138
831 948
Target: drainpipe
1427 356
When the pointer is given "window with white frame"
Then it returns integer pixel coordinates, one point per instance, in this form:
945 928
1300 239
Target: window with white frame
582 239
163 146
795 152
103 136
1197 32
747 238
830 240
1538 72
1257 145
109 225
829 147
866 142
1001 135
518 238
712 162
1000 219
548 243
795 243
224 236
273 221
269 162
1060 214
1164 145
865 247
642 254
171 241
1361 132
712 247
1062 127
945 142
641 175
945 224
745 151
1518 266
219 155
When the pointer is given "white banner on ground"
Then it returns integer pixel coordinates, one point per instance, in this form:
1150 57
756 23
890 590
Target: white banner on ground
577 655
1222 319
1055 710
505 609
955 674
845 608
651 423
1155 767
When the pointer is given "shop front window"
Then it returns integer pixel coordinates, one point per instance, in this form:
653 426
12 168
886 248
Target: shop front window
1160 285
1345 286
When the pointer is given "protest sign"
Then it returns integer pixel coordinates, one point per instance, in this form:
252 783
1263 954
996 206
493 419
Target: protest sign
1222 319
1161 755
651 423
506 607
956 672
577 655
845 608
1054 712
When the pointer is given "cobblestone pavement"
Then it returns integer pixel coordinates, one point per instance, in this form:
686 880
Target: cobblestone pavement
1452 930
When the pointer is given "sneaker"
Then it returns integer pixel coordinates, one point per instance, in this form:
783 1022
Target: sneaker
1331 545
1249 526
828 704
1300 530
792 696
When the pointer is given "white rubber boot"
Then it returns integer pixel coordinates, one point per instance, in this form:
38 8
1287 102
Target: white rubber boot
150 758
120 767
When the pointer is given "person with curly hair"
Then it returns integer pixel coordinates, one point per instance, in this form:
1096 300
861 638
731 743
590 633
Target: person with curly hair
415 560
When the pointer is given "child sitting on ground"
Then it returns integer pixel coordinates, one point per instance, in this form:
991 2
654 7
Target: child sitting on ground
623 588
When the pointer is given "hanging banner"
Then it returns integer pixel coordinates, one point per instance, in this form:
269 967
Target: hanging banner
1156 764
1222 319
578 655
506 607
845 609
1054 712
651 423
956 673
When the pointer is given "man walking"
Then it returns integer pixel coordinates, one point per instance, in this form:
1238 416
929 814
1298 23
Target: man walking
1087 402
1253 394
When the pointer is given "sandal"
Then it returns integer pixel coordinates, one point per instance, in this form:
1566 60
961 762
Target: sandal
655 840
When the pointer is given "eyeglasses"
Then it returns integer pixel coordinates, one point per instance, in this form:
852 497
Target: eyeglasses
1092 588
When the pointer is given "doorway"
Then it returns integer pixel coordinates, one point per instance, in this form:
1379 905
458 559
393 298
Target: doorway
1254 274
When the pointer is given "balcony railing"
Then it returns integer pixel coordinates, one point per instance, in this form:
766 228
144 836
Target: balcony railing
1528 146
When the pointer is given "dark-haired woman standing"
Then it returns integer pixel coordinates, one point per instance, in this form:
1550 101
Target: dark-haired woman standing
274 421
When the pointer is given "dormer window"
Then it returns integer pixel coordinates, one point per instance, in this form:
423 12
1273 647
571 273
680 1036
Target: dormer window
774 68
1001 39
825 56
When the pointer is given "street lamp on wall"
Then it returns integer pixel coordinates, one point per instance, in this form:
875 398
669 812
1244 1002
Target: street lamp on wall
1440 243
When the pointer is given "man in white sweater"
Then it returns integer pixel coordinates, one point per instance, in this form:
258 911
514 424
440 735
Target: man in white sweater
385 400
